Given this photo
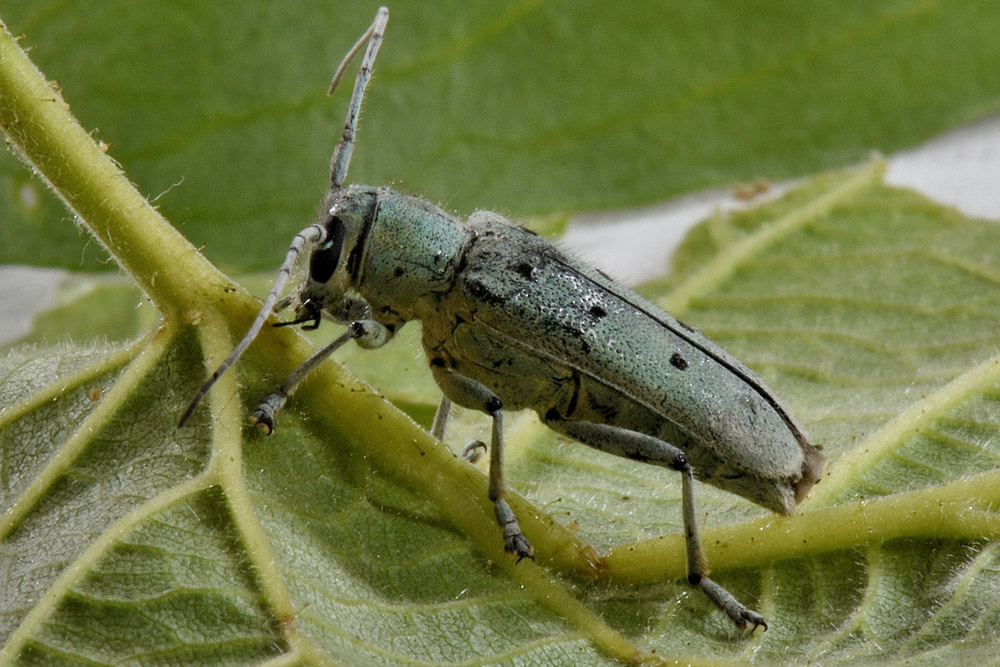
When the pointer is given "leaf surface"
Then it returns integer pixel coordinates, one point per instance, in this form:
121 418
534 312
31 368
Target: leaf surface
879 345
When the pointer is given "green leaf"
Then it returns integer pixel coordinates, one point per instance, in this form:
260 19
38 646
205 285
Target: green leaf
870 312
351 537
217 109
93 307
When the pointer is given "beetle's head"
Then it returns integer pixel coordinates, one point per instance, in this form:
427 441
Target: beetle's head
334 264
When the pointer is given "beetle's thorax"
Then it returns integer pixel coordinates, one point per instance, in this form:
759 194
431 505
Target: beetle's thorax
395 250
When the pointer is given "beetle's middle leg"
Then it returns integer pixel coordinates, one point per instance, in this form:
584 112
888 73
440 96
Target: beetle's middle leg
441 418
648 449
471 451
471 394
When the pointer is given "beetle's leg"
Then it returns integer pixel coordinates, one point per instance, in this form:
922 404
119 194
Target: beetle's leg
369 334
471 451
313 234
646 448
441 418
471 394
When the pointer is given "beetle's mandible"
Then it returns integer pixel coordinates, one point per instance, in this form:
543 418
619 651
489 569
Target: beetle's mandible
511 323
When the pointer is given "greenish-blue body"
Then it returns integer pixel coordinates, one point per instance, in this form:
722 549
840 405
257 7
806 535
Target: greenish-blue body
545 332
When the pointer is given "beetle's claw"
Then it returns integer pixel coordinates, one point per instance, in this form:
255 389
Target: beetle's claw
751 620
472 451
519 545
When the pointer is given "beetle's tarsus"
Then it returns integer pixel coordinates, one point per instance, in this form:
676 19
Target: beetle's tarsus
520 546
744 617
263 416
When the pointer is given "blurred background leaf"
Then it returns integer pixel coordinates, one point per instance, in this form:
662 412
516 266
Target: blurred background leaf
218 109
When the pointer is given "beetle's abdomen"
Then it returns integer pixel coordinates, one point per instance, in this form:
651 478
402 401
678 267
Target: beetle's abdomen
594 351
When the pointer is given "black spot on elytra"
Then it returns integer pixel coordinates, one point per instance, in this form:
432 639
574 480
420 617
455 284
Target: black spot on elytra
678 362
398 272
525 270
597 311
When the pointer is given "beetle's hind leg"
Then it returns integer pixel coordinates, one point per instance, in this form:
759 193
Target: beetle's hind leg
646 448
471 394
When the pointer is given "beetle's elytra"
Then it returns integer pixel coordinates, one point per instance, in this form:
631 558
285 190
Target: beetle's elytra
511 323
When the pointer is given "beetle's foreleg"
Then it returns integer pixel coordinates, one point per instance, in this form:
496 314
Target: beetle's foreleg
369 334
313 234
471 394
646 448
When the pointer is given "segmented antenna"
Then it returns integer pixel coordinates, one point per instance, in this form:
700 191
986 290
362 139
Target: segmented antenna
341 159
314 234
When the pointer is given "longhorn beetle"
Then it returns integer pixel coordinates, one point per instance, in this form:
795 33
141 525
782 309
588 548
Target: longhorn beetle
511 323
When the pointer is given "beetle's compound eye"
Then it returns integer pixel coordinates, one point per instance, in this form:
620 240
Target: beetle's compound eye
323 261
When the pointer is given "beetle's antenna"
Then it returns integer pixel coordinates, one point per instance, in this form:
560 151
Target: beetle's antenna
341 159
315 233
